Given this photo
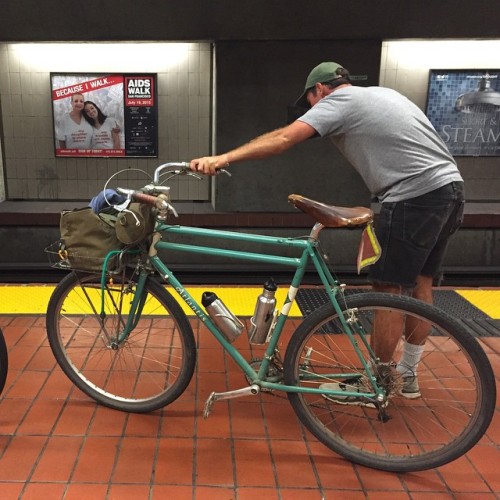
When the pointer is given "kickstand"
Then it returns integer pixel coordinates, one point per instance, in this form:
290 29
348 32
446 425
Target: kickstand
383 416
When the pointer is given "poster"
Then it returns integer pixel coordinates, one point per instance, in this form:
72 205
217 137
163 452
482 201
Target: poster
112 115
464 107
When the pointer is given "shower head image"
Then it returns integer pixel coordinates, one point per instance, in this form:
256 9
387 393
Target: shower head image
484 99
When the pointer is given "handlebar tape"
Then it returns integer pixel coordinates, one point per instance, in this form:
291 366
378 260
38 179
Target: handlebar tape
145 198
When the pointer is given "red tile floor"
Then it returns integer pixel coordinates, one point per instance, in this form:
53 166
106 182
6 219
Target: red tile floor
55 443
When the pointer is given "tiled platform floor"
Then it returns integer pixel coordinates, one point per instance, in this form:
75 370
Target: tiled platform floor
55 443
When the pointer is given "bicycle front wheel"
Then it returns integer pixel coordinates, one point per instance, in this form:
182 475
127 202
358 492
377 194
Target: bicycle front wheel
139 372
456 386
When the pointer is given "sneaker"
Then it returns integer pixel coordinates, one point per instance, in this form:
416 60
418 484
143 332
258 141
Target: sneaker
349 385
410 389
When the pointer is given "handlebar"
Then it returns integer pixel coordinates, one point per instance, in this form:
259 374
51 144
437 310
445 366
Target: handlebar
180 168
160 202
148 199
183 167
156 194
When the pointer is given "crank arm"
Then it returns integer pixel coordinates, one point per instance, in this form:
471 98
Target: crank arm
251 390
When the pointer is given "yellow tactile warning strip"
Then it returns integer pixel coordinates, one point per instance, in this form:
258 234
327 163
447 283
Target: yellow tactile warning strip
487 301
33 299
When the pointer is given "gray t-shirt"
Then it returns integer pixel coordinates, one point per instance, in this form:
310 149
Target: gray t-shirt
387 139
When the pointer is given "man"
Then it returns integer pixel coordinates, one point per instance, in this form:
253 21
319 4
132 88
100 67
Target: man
405 164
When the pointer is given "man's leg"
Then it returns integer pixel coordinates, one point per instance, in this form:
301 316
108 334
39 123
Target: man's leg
423 289
416 332
387 327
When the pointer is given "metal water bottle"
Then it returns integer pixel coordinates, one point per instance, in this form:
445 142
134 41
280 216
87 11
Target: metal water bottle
264 313
230 326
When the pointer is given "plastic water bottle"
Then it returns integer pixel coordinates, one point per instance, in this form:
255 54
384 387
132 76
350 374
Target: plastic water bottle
264 313
230 326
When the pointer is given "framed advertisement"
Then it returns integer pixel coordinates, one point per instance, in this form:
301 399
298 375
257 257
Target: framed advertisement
105 115
464 107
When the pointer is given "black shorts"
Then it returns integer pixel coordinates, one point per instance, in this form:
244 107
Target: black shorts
414 234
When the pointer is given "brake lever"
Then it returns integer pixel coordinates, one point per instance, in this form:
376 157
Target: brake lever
125 192
193 174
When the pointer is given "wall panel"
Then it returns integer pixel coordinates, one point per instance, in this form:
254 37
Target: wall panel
31 170
256 81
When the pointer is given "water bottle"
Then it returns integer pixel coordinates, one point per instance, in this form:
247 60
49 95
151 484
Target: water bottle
264 313
229 325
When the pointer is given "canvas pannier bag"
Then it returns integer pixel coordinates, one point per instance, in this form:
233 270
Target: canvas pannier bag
135 224
86 239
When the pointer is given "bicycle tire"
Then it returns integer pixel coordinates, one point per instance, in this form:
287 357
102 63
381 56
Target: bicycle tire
457 386
4 362
146 371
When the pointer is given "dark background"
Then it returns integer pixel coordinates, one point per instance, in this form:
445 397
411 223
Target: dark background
181 20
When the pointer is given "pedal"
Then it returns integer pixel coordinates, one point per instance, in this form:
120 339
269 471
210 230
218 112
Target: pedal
251 390
209 404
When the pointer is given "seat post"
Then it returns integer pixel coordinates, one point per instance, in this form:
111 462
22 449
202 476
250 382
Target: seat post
315 231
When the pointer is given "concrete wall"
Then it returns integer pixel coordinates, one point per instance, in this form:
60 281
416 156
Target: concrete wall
256 81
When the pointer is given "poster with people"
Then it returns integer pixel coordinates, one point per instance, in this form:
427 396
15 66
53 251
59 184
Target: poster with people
112 115
464 107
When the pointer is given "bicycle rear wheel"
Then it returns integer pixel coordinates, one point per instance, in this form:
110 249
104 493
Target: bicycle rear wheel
455 378
145 371
4 362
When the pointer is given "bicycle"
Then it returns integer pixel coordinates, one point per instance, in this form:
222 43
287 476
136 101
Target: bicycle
4 362
123 339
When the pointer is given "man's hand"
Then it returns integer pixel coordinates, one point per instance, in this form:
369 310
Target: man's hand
209 165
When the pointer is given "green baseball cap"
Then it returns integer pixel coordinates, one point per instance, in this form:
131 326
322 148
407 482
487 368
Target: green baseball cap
324 72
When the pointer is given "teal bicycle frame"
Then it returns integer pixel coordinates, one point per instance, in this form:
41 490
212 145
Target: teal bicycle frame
307 250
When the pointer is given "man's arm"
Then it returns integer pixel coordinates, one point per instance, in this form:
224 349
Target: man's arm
272 143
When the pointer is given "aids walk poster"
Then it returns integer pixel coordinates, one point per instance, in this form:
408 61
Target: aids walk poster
113 115
464 107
